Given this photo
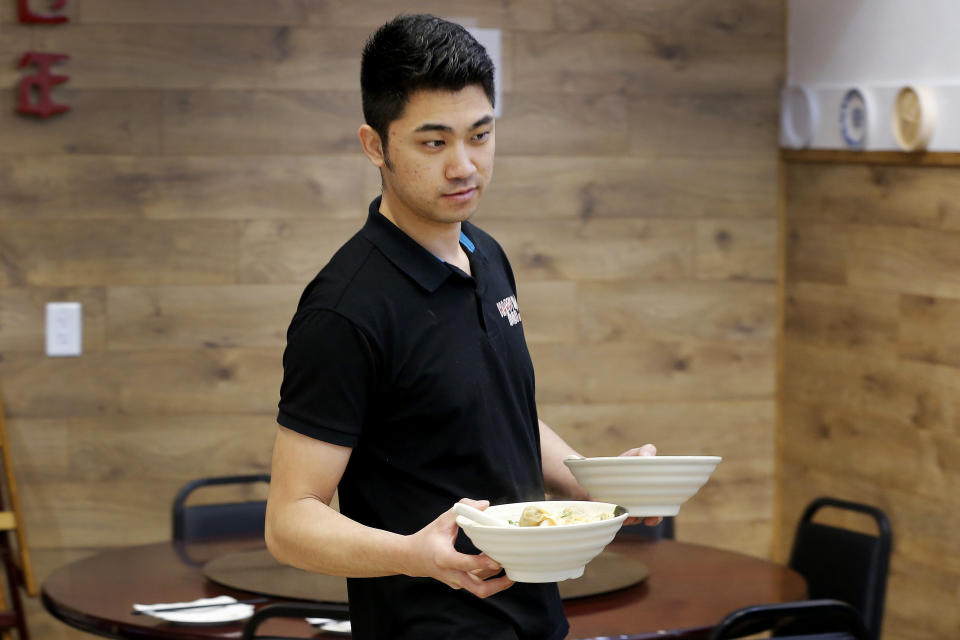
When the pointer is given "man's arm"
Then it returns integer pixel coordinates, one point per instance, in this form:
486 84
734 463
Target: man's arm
556 475
302 529
560 480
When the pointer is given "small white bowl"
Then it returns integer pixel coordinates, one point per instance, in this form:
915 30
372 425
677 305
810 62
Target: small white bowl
546 553
644 485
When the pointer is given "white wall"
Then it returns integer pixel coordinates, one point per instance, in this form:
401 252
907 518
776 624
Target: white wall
877 46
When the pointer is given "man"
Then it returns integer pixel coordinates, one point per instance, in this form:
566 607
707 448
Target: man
407 380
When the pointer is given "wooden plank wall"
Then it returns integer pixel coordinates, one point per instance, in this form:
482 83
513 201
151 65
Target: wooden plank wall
209 167
871 386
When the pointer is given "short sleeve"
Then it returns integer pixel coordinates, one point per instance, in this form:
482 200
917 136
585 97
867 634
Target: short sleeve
329 377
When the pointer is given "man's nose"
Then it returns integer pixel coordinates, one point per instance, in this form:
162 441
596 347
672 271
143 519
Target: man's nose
459 164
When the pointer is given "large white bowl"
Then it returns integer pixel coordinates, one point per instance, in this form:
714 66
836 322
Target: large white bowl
644 485
543 554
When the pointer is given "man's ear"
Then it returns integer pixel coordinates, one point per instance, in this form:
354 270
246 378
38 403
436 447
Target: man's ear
372 145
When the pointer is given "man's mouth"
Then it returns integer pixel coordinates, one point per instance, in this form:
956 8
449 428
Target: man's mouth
462 194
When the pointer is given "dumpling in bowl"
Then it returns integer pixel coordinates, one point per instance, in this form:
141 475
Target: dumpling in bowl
572 514
534 516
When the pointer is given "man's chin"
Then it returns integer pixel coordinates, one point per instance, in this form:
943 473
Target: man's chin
461 214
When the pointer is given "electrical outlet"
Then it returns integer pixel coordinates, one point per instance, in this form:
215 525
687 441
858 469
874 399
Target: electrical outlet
64 328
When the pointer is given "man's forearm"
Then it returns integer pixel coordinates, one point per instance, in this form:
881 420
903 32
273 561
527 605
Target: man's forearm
556 475
310 535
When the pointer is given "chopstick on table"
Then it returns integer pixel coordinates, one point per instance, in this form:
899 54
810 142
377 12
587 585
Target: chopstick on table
185 607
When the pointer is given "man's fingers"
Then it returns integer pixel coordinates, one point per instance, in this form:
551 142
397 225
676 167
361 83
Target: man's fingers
483 574
646 450
467 563
477 504
486 588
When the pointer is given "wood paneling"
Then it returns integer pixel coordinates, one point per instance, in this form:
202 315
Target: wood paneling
213 12
289 251
99 122
737 250
535 187
653 370
633 312
909 260
182 187
13 44
559 124
818 252
549 311
199 317
260 122
530 14
871 373
96 252
757 18
928 330
210 167
644 64
148 382
708 126
871 158
876 195
23 317
614 249
205 57
838 317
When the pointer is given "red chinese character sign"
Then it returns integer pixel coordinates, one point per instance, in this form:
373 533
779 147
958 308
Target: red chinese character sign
26 14
34 95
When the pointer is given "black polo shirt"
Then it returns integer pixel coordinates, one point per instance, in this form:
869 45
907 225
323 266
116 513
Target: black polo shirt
424 372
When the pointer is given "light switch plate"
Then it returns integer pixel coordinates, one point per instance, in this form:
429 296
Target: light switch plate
64 329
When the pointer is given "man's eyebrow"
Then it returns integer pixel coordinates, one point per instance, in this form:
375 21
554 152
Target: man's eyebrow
487 119
430 126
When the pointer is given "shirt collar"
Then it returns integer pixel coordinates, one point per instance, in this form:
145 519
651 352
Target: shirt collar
404 252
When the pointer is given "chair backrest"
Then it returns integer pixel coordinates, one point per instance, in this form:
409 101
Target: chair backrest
844 564
806 620
335 611
664 530
221 520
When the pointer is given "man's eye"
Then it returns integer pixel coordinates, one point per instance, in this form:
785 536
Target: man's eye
433 144
482 137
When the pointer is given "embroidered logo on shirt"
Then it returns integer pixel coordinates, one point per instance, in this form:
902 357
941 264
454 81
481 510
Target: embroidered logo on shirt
510 310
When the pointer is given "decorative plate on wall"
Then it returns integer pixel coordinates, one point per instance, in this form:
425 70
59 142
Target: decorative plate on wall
798 116
914 118
854 118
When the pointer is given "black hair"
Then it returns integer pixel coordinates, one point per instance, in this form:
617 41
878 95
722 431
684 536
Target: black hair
418 52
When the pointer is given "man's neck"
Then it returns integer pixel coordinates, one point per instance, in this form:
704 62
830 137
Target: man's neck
440 239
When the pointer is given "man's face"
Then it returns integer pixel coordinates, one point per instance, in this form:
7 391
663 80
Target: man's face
440 155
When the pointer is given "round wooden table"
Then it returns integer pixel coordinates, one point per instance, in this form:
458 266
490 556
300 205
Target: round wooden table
689 589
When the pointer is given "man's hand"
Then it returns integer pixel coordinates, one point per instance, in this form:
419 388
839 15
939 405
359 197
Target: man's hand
432 555
645 450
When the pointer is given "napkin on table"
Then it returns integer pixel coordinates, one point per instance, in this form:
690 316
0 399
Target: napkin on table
231 610
329 624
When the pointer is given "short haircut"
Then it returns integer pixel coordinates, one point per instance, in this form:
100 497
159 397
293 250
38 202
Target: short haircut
418 52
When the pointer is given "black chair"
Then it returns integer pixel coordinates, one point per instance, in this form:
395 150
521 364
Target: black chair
842 564
300 610
664 530
807 620
223 520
